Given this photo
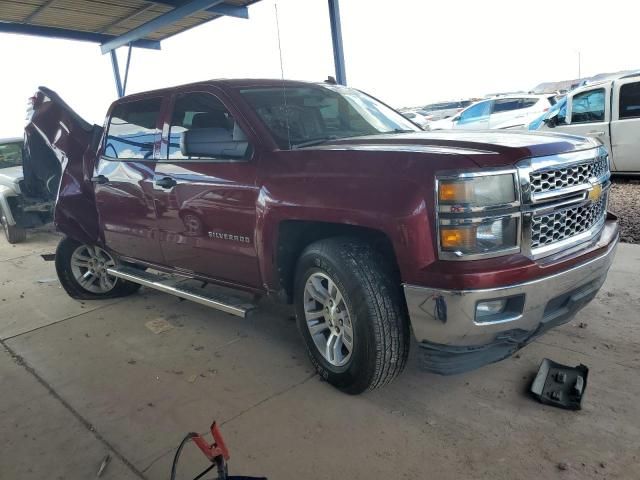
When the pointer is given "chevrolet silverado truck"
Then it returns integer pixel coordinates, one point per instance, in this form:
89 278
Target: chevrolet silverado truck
324 197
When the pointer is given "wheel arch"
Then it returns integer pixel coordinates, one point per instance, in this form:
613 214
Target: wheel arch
293 236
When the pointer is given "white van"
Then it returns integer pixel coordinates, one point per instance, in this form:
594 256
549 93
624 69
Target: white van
608 110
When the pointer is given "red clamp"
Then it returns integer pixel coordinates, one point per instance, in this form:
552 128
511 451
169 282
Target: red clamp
216 449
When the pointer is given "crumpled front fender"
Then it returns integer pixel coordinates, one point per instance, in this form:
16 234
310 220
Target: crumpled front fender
55 128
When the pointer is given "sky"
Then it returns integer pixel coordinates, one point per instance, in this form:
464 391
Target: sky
405 52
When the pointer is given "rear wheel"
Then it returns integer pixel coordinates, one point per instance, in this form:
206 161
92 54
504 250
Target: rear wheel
14 233
82 270
351 314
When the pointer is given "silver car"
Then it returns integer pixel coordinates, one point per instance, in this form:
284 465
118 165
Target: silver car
23 203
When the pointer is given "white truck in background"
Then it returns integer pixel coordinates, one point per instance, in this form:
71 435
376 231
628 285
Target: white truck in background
607 110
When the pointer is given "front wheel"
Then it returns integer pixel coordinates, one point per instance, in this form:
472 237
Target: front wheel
83 272
351 314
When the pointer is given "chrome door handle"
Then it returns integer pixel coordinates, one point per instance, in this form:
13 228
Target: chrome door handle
166 182
597 133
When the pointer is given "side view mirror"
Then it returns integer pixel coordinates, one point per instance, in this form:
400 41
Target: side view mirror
214 142
551 121
456 118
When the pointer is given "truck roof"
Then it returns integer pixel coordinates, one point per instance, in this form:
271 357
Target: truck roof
228 83
608 80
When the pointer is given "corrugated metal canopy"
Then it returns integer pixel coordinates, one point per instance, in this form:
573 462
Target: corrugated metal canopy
104 20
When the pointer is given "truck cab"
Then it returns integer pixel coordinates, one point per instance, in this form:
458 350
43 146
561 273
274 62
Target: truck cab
609 111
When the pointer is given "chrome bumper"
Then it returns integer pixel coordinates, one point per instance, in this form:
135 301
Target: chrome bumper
445 320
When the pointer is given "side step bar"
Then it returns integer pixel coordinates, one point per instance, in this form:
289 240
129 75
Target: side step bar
165 284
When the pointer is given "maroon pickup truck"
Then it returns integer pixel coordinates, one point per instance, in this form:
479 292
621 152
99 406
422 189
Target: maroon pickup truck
324 197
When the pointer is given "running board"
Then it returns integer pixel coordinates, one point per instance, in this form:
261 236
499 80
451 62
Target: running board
227 304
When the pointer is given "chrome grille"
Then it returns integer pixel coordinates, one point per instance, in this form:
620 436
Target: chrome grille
562 224
558 178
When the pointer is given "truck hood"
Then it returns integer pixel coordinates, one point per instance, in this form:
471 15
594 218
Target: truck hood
487 148
9 177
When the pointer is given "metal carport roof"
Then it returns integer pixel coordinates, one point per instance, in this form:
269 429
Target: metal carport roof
104 20
132 23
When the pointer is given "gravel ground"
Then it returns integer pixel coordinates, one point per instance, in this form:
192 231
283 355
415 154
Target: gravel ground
624 201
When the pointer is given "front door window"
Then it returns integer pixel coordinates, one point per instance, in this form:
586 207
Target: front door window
202 128
475 113
588 106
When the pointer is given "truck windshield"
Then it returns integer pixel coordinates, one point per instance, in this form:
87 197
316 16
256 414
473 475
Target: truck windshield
308 115
10 154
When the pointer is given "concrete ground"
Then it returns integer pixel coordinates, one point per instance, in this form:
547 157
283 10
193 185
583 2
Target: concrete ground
79 381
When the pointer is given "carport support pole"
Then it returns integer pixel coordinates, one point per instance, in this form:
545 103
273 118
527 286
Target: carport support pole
336 37
116 73
126 70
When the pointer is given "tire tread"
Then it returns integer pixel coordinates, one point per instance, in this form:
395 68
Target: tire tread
382 294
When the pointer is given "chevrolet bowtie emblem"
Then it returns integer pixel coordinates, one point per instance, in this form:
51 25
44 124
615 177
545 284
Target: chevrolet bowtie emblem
595 191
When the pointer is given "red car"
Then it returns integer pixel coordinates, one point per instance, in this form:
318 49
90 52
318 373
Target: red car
323 196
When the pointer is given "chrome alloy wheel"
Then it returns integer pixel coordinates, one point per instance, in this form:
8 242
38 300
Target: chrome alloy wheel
328 319
89 266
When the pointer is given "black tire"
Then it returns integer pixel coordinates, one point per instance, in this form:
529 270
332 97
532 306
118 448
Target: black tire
64 252
372 294
13 233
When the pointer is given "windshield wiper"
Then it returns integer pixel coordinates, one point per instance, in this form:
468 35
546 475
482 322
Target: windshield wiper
400 130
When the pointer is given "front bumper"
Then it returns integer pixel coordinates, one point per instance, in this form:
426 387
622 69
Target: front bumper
454 340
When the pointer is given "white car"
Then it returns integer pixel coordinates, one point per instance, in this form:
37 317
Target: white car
512 111
415 117
438 111
607 110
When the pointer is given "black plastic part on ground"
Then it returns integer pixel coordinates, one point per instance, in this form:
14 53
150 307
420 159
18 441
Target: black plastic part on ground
560 385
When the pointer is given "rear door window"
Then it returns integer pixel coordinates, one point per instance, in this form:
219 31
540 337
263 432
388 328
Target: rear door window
132 130
506 104
588 106
510 104
630 100
529 102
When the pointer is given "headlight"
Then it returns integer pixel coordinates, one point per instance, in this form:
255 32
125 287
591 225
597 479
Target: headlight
487 236
478 215
485 191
